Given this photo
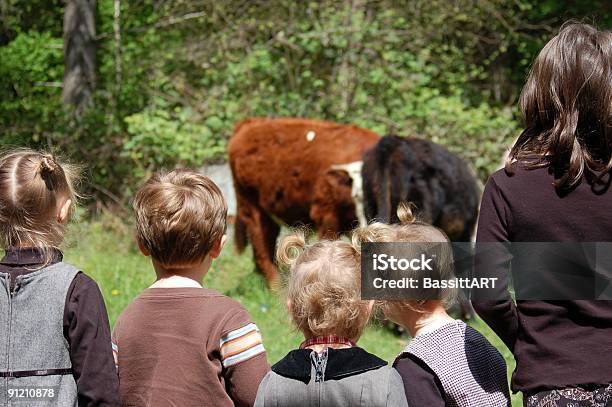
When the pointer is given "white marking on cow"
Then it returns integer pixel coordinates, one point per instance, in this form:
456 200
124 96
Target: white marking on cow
354 171
310 135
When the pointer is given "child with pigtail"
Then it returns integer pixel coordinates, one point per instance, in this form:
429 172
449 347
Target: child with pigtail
447 363
54 333
324 301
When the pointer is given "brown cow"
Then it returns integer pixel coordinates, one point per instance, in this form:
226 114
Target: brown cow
282 174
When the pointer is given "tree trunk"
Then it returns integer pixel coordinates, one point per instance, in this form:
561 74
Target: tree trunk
117 32
79 54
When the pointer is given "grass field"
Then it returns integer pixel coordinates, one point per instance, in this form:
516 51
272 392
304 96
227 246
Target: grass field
106 251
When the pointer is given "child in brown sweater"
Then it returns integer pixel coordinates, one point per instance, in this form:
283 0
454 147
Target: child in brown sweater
179 344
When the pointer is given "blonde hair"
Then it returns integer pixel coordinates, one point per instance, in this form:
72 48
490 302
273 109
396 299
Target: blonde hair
324 287
32 185
180 215
410 229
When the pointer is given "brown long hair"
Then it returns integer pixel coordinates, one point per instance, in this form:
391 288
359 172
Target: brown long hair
567 107
31 186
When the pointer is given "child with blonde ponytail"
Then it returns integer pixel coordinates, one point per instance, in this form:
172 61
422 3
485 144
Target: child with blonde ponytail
447 363
54 331
324 302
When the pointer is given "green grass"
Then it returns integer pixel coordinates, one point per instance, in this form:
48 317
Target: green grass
106 251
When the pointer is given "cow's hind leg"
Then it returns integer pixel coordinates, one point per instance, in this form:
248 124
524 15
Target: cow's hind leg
263 232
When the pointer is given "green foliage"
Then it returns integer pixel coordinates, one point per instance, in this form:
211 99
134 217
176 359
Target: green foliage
158 137
30 104
450 72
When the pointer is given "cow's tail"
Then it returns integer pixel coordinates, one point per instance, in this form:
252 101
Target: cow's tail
240 234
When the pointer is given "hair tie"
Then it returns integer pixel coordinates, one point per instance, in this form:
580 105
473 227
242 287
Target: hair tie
405 213
47 165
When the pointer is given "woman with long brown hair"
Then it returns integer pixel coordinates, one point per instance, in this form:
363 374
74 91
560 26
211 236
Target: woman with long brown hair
555 188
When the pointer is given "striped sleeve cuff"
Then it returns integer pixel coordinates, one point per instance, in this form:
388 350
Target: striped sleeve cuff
115 354
241 344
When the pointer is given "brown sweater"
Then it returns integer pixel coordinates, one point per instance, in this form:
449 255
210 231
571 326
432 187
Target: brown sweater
556 344
188 347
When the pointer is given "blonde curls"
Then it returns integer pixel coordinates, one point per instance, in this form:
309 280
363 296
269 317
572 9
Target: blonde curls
411 230
381 232
405 213
290 248
323 287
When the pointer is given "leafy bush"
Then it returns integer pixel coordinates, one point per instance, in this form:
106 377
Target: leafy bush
31 66
159 137
449 72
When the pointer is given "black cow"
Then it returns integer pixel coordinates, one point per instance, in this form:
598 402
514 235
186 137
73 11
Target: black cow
440 184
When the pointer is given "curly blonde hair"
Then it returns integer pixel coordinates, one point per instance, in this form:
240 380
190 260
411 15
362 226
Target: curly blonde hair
324 287
411 229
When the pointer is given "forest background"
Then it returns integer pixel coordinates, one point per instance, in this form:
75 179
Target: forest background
128 87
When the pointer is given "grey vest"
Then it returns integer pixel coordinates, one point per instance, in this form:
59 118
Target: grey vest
304 384
471 370
33 350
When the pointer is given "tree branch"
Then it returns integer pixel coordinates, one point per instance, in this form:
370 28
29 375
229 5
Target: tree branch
160 24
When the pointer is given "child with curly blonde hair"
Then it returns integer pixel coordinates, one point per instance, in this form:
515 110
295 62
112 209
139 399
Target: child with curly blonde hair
324 302
447 363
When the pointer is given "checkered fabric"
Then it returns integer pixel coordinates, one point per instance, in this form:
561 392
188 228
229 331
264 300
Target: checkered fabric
471 370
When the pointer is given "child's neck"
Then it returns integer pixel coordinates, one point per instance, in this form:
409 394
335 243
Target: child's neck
180 277
321 348
419 323
176 282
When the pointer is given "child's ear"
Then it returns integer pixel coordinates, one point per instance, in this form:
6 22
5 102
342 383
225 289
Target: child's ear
216 249
64 211
289 304
142 247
